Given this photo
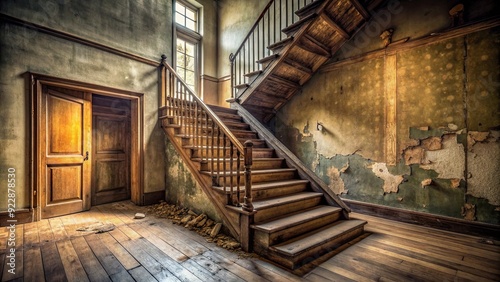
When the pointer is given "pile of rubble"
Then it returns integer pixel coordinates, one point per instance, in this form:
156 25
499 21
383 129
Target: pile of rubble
200 223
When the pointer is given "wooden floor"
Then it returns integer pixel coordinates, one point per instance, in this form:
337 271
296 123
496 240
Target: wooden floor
154 249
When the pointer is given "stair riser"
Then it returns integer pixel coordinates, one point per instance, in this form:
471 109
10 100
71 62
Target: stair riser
267 164
257 178
268 239
279 191
318 251
245 135
284 209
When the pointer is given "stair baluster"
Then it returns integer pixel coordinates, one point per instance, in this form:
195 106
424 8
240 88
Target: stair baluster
265 31
209 139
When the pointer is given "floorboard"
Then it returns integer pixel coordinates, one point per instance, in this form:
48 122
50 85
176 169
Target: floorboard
155 249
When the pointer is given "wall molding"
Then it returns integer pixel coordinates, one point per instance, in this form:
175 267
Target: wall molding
425 219
78 39
423 41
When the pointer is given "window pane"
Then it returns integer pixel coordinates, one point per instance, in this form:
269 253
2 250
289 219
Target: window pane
189 49
190 78
179 8
190 63
190 24
180 19
190 14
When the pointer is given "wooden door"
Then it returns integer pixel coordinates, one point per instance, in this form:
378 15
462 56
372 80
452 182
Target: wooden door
65 135
111 149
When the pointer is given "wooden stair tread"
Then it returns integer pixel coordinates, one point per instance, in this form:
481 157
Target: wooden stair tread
250 74
254 172
268 58
269 185
315 238
197 159
216 109
296 219
280 43
298 24
273 202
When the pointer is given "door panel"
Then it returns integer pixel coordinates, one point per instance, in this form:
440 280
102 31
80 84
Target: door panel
65 135
64 176
111 150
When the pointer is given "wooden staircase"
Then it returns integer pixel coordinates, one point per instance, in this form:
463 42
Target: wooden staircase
281 216
323 26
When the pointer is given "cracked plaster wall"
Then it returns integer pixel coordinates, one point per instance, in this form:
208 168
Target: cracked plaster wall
446 123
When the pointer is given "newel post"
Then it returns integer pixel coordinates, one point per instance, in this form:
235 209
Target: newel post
246 217
247 203
163 80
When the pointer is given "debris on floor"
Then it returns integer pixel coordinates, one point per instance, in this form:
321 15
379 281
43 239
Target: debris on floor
139 215
97 227
200 223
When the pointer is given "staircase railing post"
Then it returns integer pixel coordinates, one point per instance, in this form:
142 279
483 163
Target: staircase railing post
247 203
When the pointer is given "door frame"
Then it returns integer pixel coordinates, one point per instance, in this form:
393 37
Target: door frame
36 82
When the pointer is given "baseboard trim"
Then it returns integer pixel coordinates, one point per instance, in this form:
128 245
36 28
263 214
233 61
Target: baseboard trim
22 216
154 197
429 220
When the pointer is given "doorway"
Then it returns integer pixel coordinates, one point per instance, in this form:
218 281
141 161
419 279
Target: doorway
85 146
110 149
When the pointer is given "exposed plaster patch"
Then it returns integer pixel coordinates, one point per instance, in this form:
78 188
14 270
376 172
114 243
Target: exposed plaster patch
414 155
469 212
336 183
455 183
449 162
483 160
391 182
425 182
432 143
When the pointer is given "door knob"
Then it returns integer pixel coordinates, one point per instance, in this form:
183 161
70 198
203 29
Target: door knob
86 156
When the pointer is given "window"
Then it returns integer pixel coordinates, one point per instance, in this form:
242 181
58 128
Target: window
187 43
186 58
186 16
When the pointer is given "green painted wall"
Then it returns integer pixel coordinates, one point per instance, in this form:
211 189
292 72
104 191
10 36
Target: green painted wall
182 188
445 134
140 27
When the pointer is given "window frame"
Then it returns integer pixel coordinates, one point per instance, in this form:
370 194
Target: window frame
190 36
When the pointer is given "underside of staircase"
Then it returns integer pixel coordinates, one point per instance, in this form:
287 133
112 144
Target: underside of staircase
291 224
322 28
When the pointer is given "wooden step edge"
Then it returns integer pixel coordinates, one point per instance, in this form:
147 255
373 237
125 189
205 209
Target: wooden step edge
280 43
267 59
241 86
283 200
250 74
217 108
255 160
298 24
315 238
295 219
254 172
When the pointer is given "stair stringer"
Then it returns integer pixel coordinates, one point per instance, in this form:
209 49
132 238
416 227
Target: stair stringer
229 217
316 183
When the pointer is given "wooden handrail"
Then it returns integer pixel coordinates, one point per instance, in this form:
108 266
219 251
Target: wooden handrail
210 138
